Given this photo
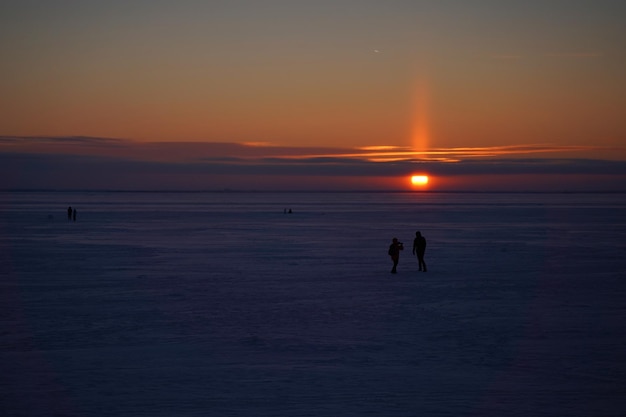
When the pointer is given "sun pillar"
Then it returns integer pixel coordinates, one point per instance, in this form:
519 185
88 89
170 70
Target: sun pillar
420 130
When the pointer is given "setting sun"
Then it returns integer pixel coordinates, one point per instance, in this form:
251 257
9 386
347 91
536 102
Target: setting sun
419 180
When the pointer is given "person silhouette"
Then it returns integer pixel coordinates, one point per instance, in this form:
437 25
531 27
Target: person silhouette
69 213
394 253
419 247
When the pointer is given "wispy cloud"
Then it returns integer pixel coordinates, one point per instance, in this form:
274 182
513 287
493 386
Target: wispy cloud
555 55
189 152
507 57
582 55
456 154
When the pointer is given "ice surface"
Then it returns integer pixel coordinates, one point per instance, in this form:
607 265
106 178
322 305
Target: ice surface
221 304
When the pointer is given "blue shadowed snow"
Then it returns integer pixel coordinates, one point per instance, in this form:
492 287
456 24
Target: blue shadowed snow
220 304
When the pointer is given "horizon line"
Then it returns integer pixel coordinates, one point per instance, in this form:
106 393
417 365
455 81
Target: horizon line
351 191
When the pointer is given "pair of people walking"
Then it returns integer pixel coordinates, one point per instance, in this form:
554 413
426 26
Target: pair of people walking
419 248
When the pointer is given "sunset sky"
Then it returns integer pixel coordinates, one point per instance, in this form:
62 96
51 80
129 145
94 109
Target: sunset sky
341 94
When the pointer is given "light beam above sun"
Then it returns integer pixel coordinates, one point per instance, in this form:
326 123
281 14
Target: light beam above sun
420 135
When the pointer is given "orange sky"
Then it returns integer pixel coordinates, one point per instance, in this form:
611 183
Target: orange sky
427 77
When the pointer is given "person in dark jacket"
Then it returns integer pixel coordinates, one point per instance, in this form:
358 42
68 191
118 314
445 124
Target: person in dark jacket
419 247
394 253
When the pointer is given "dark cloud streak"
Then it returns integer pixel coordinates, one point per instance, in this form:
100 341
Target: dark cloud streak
27 170
79 162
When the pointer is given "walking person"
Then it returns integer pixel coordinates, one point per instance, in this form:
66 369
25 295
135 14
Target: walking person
394 253
69 213
419 247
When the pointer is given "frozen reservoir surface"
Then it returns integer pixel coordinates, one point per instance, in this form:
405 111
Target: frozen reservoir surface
225 304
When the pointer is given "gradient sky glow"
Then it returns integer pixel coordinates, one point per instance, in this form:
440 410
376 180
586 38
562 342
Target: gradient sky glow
485 82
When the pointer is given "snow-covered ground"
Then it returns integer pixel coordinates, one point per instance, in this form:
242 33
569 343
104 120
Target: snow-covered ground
222 304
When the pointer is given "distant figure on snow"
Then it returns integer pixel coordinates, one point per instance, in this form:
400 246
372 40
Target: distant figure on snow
69 213
74 215
394 252
419 247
